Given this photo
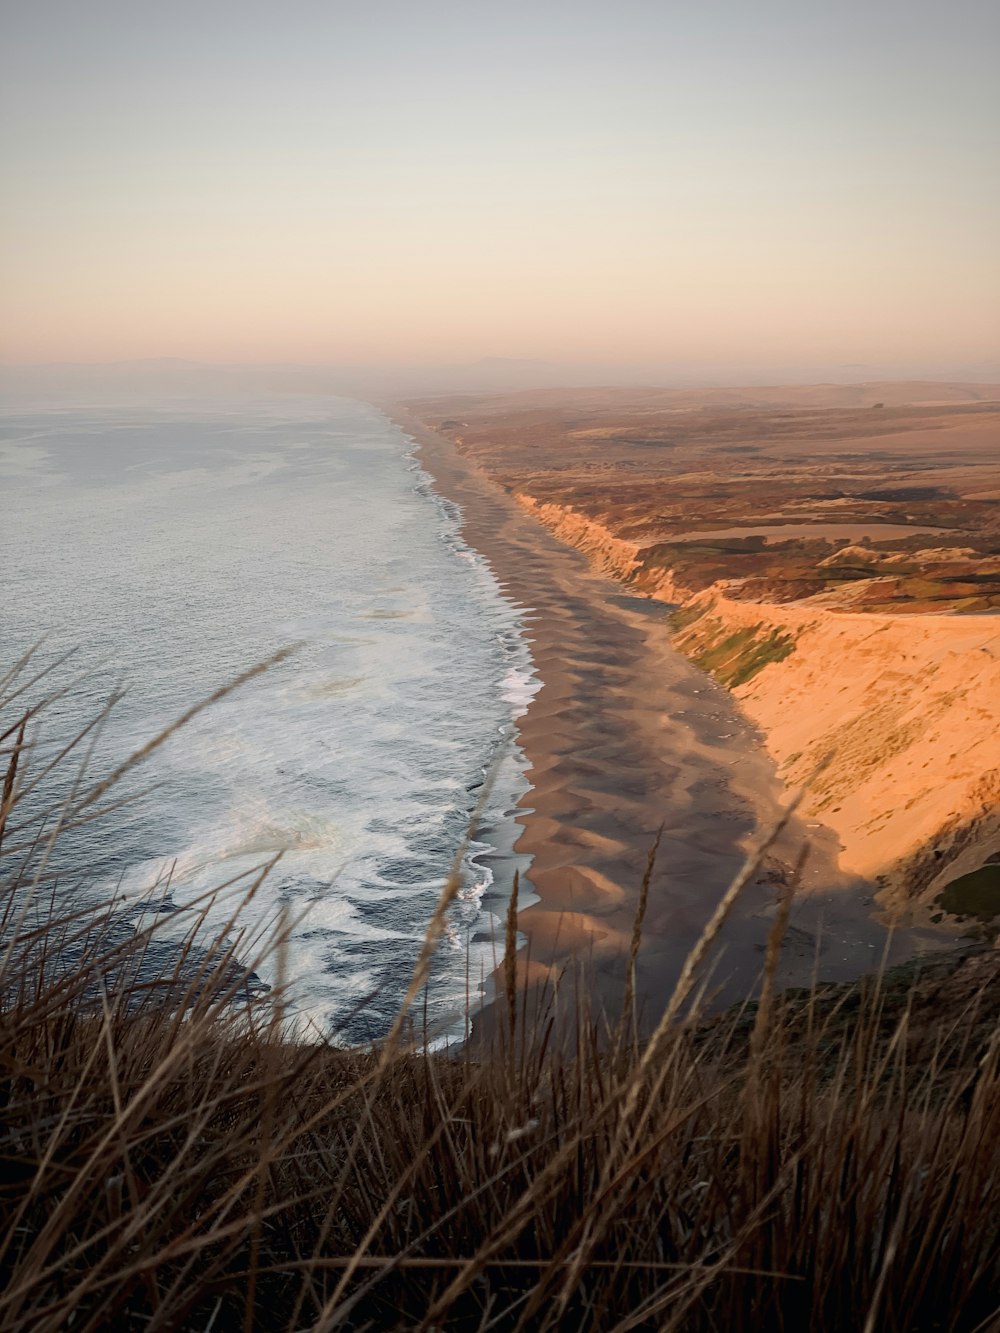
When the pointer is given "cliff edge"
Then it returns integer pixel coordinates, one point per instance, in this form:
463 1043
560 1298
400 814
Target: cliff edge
905 707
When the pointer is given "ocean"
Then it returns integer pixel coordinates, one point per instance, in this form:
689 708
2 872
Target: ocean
173 550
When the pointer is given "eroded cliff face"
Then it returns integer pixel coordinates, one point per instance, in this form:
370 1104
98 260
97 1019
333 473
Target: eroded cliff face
607 552
906 707
612 555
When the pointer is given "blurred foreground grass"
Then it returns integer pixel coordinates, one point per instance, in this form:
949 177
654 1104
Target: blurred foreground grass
171 1160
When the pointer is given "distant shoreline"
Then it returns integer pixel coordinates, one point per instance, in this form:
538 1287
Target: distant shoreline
623 736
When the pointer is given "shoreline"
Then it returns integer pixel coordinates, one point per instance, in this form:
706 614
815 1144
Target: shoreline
625 735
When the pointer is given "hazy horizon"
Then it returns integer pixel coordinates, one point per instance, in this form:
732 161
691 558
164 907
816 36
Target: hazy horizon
638 188
159 384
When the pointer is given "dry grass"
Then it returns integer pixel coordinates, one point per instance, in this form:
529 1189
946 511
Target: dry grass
172 1161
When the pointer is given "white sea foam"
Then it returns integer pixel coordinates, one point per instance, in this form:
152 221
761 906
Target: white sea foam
519 686
176 551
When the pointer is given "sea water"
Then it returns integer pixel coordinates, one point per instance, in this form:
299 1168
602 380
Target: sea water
173 550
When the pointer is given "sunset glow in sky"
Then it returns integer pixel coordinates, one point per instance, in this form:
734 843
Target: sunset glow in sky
628 182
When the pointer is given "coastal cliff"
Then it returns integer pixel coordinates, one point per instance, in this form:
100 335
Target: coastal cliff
608 553
906 705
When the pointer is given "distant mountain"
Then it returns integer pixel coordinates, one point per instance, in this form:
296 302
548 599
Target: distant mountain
174 381
169 380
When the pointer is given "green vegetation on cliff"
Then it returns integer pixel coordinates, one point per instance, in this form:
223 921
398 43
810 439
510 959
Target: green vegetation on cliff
732 656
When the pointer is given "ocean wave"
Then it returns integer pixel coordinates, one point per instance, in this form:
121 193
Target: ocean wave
177 550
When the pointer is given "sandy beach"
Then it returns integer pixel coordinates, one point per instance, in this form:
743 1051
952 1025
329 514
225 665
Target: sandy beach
625 736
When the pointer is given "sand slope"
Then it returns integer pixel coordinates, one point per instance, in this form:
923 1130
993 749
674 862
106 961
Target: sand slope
909 707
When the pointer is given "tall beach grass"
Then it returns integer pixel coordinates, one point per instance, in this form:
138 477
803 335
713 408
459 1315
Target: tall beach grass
172 1160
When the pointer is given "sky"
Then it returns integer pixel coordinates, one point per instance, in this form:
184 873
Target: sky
416 181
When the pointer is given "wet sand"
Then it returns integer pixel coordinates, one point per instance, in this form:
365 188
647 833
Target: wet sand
626 736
